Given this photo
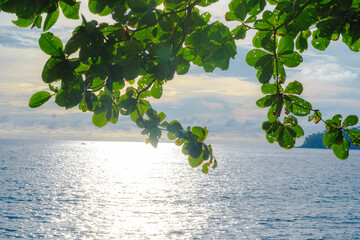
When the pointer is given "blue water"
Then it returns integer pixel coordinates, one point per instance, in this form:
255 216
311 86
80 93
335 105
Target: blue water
107 190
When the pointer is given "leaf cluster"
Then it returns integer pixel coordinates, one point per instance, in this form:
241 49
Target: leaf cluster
112 70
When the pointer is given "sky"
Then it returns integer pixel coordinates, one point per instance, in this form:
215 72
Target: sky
223 101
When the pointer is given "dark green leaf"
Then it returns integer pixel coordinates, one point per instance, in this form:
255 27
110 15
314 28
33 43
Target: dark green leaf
68 98
341 149
51 71
301 43
138 6
254 55
239 32
266 101
265 72
200 132
298 130
286 138
330 137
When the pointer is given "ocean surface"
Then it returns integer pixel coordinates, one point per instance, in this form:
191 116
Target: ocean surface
109 190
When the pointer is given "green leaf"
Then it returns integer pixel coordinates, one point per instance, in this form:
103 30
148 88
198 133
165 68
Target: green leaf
354 136
268 88
350 120
157 90
179 141
294 88
272 130
115 115
337 119
195 162
24 23
330 137
100 118
37 22
239 32
341 149
215 164
265 72
298 130
138 6
291 119
51 71
318 42
301 43
205 3
280 72
51 19
353 132
286 45
132 67
291 60
239 9
182 67
205 168
172 136
51 45
39 99
154 136
200 132
286 138
254 55
71 12
264 39
99 7
262 24
251 19
266 101
299 106
69 98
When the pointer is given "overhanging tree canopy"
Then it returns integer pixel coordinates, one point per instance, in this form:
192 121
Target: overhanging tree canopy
113 69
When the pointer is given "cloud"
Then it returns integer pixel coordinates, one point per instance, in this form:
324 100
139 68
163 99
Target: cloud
328 81
199 85
70 126
321 70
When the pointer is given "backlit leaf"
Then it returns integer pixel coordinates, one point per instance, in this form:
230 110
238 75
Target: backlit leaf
341 149
51 45
39 99
350 120
51 19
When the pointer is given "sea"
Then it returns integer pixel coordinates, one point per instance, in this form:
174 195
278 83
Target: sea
119 190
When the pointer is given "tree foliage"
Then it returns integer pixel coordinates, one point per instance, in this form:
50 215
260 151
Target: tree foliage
113 69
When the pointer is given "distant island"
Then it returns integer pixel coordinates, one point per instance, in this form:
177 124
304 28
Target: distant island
315 140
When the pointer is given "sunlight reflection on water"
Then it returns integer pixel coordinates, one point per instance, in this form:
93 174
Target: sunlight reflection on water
109 190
